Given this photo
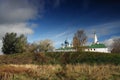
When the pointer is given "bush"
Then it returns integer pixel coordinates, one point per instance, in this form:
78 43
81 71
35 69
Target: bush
85 57
62 58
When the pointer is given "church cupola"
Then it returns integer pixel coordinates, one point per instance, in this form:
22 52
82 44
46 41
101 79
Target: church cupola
66 43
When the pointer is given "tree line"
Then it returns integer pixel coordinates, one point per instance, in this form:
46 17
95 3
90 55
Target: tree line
13 43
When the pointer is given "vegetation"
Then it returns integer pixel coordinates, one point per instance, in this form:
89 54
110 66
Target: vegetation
61 58
45 45
116 46
79 40
84 57
58 72
14 44
60 66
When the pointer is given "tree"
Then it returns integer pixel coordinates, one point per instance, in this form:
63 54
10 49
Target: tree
32 47
13 43
79 39
116 46
21 44
45 45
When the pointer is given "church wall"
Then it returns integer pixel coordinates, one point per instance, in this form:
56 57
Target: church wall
105 50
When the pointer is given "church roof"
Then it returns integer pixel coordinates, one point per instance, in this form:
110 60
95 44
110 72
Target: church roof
67 48
97 46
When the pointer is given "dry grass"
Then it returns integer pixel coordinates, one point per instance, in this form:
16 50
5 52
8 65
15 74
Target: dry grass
96 72
57 72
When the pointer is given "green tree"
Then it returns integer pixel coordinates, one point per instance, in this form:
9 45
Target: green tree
13 43
79 39
21 44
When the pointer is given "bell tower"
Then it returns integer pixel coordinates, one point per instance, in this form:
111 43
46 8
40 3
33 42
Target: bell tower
95 39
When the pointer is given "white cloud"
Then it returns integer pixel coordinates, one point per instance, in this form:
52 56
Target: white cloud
14 11
20 28
61 34
104 29
109 42
14 15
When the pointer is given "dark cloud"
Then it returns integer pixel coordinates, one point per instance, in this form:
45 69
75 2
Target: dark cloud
15 11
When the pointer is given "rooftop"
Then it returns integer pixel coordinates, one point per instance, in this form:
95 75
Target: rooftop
97 46
66 48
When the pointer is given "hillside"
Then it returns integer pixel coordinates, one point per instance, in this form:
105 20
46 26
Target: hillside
60 66
61 58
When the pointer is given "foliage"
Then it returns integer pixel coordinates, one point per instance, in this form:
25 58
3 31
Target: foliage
79 39
45 45
60 66
31 48
62 58
116 46
41 46
13 43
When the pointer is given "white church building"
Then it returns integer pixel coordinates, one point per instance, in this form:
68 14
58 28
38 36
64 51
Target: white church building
94 47
97 47
65 47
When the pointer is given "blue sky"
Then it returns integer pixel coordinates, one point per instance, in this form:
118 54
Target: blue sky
63 20
60 19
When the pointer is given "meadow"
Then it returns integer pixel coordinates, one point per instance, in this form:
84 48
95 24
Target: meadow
60 66
58 72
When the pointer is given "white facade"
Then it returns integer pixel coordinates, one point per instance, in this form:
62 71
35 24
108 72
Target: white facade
69 50
104 50
97 47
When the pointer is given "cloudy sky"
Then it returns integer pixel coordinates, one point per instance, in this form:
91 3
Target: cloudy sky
60 19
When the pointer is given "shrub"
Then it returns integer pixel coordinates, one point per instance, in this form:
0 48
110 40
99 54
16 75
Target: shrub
61 58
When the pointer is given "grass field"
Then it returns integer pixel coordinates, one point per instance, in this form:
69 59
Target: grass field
58 72
60 66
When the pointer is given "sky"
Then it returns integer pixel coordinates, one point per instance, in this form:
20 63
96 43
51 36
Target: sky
58 20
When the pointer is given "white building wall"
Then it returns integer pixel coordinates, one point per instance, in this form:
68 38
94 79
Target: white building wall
105 50
70 50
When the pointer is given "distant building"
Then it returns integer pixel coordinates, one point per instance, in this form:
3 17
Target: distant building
94 47
65 47
97 47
